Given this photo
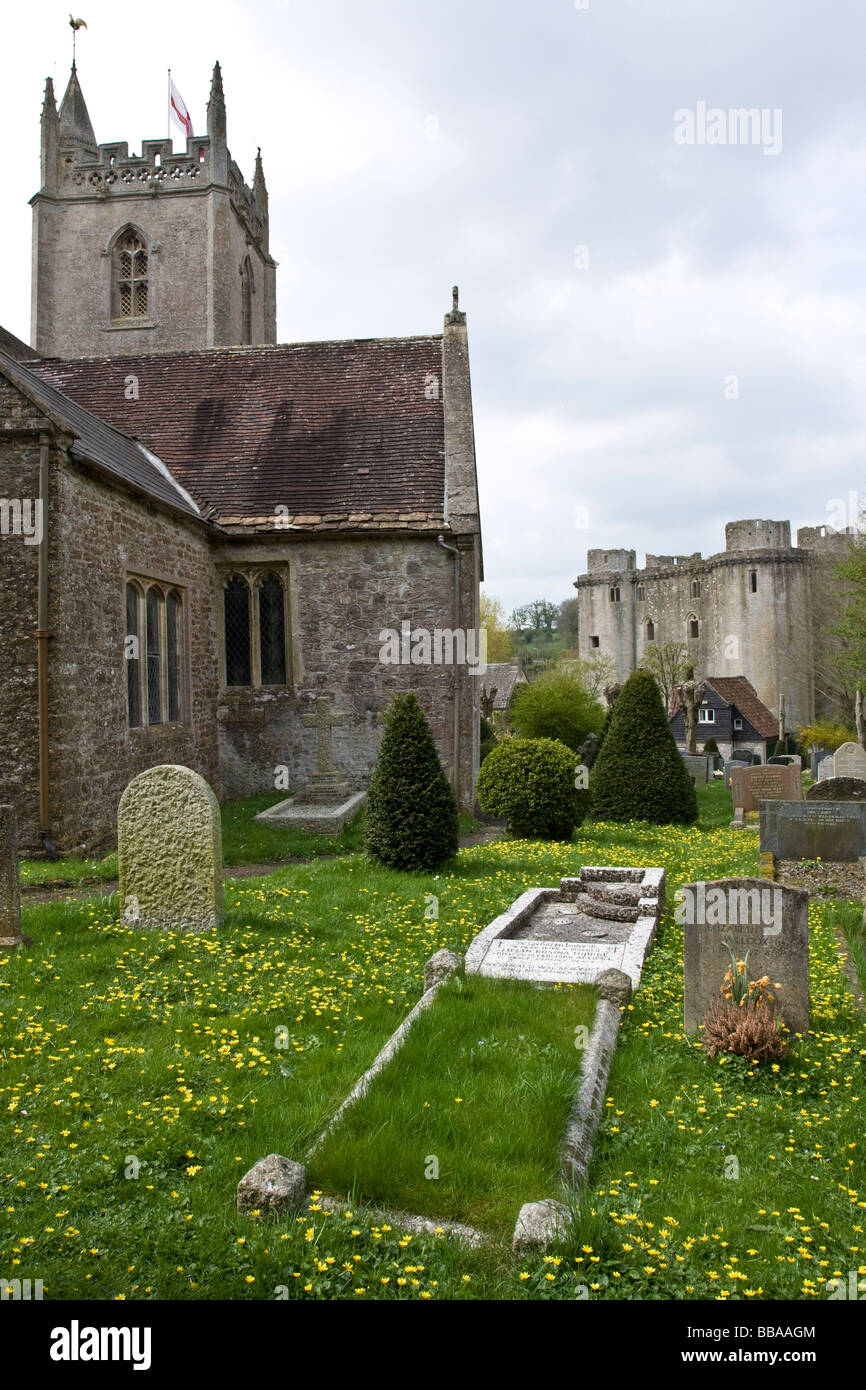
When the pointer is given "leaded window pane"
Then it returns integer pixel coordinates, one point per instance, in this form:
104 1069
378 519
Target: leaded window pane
154 700
272 631
236 598
133 660
172 655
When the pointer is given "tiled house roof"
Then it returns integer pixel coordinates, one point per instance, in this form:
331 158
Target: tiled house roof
324 435
503 676
736 690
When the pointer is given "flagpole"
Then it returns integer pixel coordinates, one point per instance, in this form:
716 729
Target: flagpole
169 103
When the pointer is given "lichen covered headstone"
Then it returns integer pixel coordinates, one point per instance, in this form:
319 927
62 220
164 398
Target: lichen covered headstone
169 852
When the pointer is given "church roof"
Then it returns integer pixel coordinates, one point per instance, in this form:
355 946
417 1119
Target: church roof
97 443
323 435
15 347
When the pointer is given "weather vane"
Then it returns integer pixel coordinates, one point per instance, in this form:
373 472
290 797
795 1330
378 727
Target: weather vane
75 25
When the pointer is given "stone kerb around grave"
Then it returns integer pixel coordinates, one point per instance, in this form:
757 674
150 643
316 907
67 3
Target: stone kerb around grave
169 852
605 919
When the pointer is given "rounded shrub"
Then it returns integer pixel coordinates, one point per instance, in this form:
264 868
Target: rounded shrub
639 773
411 812
556 705
529 782
711 746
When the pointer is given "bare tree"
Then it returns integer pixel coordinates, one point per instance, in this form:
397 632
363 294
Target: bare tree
690 693
670 664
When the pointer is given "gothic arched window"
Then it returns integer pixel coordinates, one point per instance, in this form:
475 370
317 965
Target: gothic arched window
172 655
693 626
247 292
650 630
153 627
133 656
272 630
696 588
129 276
641 593
236 608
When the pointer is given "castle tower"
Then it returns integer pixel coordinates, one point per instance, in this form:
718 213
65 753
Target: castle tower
157 252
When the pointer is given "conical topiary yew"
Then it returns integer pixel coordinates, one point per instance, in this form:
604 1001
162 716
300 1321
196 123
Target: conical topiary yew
639 773
411 811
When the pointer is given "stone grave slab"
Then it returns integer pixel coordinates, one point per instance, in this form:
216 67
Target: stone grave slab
169 852
604 920
769 921
830 830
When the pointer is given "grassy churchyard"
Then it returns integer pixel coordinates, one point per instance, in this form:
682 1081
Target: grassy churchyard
143 1073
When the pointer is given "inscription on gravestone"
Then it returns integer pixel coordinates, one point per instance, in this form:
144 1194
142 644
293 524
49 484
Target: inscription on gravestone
849 761
830 830
769 921
751 785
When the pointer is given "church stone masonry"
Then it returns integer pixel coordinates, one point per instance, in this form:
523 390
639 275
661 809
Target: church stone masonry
754 610
252 514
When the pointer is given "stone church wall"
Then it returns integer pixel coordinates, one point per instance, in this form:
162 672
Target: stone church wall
344 593
98 536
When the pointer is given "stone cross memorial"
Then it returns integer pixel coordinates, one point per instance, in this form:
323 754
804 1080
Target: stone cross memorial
169 852
768 921
325 803
10 899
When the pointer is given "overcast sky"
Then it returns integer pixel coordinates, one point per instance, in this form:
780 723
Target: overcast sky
663 335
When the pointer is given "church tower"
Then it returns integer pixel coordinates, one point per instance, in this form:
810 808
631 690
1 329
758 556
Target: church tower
157 252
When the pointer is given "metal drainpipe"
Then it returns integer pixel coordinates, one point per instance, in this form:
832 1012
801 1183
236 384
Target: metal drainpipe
456 774
42 635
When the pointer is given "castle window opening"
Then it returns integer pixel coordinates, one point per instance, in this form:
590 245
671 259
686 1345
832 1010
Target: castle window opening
694 627
753 581
593 641
650 630
641 592
696 588
614 594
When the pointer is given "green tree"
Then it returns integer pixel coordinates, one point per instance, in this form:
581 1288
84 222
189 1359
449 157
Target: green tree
850 626
639 774
411 811
669 663
500 643
568 622
556 705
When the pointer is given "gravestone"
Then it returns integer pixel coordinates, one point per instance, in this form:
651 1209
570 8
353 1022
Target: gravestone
750 785
816 756
10 893
850 761
838 789
834 831
740 757
169 852
604 920
786 760
697 766
825 768
325 804
769 921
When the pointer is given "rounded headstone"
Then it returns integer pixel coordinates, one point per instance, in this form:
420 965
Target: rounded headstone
838 789
169 852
